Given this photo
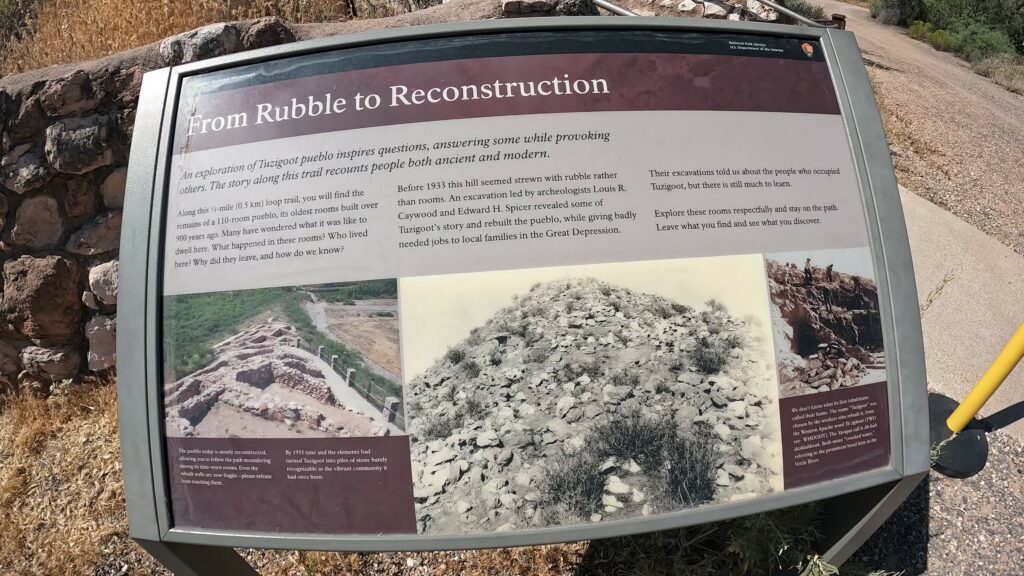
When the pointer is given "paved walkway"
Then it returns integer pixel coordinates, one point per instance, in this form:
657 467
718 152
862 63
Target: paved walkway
317 312
975 313
346 396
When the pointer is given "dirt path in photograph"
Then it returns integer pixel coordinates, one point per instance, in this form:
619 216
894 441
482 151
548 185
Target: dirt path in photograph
346 396
375 337
957 137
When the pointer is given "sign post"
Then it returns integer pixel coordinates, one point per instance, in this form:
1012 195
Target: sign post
513 283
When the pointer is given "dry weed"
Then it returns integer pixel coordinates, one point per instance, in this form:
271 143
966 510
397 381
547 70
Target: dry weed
60 480
75 30
1005 70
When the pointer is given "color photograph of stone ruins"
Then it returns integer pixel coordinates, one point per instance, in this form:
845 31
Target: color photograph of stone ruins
828 330
305 361
583 394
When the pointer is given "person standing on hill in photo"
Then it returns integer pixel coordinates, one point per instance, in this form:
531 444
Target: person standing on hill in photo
828 272
808 278
826 297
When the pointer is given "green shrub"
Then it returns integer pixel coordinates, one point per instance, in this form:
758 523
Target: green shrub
474 407
732 341
572 485
537 355
471 368
194 322
692 466
712 321
347 293
940 39
1015 30
897 12
450 393
681 308
476 337
662 309
437 427
709 356
591 367
633 437
626 377
975 42
454 355
519 328
495 358
940 13
875 7
920 30
805 9
716 306
983 24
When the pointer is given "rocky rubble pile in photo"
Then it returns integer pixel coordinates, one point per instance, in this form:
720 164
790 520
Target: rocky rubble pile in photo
242 368
821 347
828 369
712 9
534 387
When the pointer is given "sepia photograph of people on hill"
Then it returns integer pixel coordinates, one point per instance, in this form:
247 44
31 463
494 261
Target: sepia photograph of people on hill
292 362
826 320
582 394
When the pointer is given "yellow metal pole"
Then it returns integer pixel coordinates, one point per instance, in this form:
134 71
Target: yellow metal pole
989 383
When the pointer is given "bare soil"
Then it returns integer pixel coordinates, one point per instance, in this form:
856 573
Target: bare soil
957 138
375 337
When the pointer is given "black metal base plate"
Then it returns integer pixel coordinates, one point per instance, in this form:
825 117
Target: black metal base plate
963 456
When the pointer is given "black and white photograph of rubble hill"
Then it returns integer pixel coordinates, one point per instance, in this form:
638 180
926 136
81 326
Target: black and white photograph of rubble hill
585 398
827 325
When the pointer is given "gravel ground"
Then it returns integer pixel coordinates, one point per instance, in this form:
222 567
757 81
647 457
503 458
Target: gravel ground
952 527
957 137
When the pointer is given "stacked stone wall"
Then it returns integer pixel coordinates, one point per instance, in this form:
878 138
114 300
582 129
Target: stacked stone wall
65 135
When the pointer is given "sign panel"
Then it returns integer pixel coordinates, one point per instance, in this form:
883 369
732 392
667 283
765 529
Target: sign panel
515 281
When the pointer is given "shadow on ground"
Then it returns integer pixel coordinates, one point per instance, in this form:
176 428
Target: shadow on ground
901 544
750 545
1005 417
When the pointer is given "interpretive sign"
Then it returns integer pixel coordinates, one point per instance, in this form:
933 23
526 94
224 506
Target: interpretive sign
553 281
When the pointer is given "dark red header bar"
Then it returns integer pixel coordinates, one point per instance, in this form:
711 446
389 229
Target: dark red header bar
500 86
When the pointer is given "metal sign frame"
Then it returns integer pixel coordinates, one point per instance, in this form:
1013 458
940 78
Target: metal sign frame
866 498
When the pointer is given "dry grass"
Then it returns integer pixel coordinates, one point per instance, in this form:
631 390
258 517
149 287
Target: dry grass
60 481
76 30
1006 70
